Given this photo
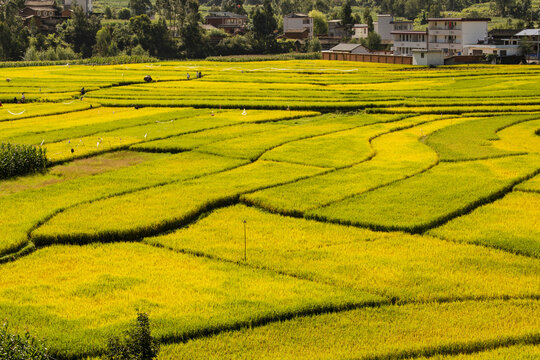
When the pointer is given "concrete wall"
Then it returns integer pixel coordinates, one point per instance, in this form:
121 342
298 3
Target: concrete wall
472 31
383 27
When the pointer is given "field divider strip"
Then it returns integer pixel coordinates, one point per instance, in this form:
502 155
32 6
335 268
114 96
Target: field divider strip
44 115
458 348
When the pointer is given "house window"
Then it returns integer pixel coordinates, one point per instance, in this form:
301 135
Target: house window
422 55
39 13
305 21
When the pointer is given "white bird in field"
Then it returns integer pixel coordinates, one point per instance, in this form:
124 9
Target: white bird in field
97 144
145 136
42 141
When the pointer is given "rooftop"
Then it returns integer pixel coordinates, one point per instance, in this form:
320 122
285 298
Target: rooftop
529 32
225 14
408 32
46 3
345 47
360 26
297 15
459 19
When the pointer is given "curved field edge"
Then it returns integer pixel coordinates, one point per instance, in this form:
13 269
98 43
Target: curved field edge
392 332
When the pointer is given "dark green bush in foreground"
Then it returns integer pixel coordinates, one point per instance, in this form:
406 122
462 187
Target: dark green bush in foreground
17 347
18 160
137 344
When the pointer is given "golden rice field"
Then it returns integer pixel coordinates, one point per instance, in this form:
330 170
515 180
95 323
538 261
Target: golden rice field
276 210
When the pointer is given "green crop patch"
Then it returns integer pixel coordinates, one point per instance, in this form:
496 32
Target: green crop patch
510 223
24 210
157 209
474 139
431 198
394 265
386 332
90 293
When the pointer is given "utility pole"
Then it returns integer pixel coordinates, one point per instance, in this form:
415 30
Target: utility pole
245 242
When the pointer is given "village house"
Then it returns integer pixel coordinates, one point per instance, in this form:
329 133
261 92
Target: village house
532 36
297 26
41 14
360 31
227 21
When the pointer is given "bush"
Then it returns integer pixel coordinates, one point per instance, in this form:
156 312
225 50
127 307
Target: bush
124 14
137 343
18 160
17 347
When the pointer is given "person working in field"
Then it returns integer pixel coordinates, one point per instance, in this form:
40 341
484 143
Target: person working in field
23 98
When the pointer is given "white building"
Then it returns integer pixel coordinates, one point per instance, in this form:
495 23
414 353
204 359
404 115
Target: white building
407 40
298 22
360 31
428 57
85 4
384 27
454 35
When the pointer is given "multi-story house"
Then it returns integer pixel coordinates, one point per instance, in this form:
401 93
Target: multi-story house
454 35
360 31
227 21
298 24
384 27
405 41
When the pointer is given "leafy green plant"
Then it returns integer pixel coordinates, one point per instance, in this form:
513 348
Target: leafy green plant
137 342
17 347
18 160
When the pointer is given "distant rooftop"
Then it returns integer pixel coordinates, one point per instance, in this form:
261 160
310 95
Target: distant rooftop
459 19
345 47
226 14
529 32
297 15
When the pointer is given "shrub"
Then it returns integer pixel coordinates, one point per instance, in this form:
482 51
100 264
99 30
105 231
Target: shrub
124 14
137 343
17 347
18 160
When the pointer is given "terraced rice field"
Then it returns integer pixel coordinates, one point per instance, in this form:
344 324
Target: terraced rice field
276 210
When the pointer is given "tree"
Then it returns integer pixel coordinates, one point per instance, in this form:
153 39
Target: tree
13 35
124 14
105 46
264 27
108 12
136 344
139 7
373 41
347 19
234 6
368 19
320 26
153 37
80 31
